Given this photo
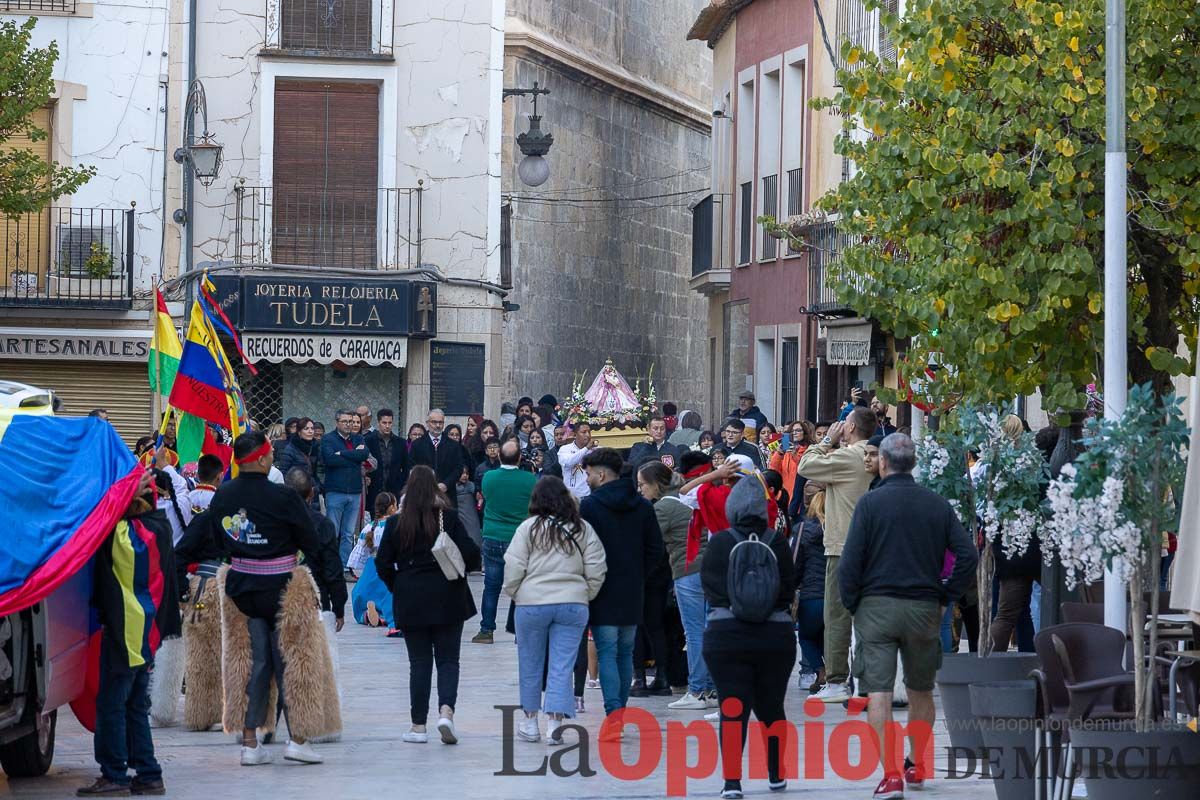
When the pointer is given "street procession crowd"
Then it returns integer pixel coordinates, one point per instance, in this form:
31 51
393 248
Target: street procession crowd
703 564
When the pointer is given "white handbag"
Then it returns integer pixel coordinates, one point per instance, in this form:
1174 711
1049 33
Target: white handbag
447 554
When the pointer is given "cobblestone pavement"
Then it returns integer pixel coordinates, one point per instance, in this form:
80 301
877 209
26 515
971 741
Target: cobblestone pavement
372 762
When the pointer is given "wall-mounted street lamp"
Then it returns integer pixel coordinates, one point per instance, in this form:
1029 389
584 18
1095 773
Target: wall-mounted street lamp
535 143
202 155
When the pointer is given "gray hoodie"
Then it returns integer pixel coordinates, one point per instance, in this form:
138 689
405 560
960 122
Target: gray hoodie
746 507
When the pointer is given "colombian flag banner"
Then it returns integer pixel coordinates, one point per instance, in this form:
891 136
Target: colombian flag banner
67 482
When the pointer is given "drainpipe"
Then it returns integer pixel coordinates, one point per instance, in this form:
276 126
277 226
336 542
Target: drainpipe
189 178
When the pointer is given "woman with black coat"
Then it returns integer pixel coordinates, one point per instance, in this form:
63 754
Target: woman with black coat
429 609
808 550
302 450
750 662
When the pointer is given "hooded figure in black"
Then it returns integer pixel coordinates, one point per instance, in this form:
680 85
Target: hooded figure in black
749 661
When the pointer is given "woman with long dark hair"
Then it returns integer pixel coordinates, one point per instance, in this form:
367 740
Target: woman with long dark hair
427 607
655 480
553 568
302 450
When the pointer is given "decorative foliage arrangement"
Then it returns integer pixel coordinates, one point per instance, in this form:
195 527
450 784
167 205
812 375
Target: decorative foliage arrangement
976 207
1011 474
99 263
998 496
1111 506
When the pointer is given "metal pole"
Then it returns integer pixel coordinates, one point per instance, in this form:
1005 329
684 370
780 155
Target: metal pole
918 423
1115 222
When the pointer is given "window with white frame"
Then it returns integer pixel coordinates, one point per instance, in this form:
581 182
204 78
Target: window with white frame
795 114
745 121
768 157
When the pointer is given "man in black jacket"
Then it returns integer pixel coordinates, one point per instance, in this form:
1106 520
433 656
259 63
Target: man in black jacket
890 580
440 453
391 456
328 574
633 545
262 527
656 446
749 414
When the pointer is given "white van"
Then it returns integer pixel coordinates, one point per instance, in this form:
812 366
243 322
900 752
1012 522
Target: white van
43 649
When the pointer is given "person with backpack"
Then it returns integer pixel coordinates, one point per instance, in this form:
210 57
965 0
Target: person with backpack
749 645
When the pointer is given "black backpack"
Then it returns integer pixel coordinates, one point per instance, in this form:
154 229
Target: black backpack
752 577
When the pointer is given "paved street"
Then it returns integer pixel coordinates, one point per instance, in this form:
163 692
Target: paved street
371 761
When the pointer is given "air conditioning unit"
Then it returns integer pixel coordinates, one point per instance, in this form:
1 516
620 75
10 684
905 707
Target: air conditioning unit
75 248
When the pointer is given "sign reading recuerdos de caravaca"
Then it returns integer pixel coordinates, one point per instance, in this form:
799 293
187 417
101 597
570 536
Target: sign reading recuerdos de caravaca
330 306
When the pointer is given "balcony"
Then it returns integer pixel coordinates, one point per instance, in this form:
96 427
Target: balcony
330 28
707 278
43 6
825 244
63 257
321 227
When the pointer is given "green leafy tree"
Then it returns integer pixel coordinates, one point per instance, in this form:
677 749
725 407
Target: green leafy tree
27 182
977 206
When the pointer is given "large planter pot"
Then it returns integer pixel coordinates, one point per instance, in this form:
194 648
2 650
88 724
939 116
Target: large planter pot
1120 763
1005 712
958 672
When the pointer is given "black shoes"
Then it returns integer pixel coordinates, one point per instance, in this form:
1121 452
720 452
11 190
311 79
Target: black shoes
103 787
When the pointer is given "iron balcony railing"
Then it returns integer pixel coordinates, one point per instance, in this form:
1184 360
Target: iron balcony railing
61 6
824 244
331 27
320 227
702 237
67 257
770 208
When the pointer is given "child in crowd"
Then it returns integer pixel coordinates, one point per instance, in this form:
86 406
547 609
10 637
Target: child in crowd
371 599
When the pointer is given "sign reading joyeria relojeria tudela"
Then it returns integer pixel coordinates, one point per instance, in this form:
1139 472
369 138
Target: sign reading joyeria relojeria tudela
343 307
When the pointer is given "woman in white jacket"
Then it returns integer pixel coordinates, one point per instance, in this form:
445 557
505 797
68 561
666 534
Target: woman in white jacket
553 567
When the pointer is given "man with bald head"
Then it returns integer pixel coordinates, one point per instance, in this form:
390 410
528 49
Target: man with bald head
440 453
506 493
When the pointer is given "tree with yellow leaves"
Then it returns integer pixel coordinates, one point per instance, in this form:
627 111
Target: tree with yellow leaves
977 207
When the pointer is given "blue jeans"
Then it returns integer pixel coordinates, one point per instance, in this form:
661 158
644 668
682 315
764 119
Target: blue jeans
810 631
614 652
342 510
122 739
559 627
693 613
493 581
947 631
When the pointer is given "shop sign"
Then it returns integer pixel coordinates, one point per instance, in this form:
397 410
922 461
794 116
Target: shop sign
325 349
342 306
848 345
71 344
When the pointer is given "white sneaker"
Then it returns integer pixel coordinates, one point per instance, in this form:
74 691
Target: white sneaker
554 735
592 683
832 693
415 737
711 700
253 756
528 730
716 715
445 727
689 702
304 753
806 680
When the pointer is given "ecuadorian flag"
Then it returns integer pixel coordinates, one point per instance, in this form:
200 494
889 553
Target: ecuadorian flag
66 483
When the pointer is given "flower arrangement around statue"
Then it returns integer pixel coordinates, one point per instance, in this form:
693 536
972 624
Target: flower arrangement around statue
609 402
